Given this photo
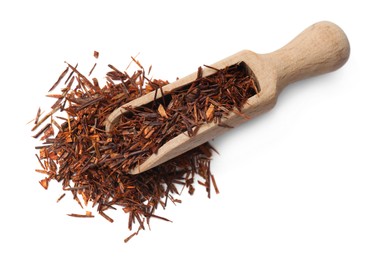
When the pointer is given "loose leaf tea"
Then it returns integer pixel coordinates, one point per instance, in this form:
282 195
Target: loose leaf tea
144 129
94 165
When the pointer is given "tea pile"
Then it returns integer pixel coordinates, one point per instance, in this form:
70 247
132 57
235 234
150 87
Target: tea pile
93 165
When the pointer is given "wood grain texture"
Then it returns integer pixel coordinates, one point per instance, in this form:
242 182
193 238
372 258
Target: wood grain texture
321 48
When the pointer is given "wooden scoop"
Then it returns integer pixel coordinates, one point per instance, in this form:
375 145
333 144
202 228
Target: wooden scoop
321 48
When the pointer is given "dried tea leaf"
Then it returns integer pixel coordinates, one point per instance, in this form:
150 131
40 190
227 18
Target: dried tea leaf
210 112
162 112
86 215
45 183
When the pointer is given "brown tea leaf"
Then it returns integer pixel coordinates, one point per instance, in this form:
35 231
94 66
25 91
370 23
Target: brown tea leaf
162 112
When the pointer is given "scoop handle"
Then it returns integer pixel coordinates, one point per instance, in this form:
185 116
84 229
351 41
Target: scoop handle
321 48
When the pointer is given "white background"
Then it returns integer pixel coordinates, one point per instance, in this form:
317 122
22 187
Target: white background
300 182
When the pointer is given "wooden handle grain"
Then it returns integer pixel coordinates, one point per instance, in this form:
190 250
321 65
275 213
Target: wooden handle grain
321 48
